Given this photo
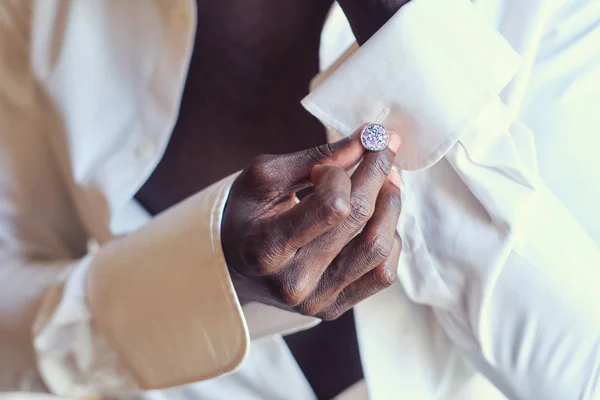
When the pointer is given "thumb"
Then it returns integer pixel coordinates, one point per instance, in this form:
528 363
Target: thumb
296 167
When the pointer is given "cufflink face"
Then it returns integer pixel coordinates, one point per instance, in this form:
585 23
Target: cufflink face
374 137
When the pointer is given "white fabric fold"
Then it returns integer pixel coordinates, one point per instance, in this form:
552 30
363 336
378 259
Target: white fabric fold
435 65
129 318
473 222
504 273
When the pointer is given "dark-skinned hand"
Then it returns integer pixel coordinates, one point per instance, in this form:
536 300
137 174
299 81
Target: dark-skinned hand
324 254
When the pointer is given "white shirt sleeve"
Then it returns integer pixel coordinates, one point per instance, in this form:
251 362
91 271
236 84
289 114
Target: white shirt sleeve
511 275
150 309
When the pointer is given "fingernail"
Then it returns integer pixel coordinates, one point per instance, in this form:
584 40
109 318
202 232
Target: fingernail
356 133
395 141
318 168
341 205
394 177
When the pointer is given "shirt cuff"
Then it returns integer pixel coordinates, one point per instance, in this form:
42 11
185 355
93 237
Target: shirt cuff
426 74
163 298
152 309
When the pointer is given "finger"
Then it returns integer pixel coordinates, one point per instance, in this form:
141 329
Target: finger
379 278
367 180
293 170
321 252
317 213
365 251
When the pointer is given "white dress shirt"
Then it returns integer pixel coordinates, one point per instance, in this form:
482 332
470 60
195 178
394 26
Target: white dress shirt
497 104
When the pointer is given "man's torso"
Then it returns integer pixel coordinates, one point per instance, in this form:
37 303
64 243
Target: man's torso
251 65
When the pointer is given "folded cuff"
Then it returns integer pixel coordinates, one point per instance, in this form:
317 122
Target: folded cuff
425 74
163 299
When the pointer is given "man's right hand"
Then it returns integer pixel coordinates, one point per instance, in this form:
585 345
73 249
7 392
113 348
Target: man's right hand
324 254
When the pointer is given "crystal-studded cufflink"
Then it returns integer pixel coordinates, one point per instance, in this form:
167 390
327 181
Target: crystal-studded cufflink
374 137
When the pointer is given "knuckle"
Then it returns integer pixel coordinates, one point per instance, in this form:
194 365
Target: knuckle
382 164
361 209
321 154
308 308
386 275
294 292
259 168
379 248
330 212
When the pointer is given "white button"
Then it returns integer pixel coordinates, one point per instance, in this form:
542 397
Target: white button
144 150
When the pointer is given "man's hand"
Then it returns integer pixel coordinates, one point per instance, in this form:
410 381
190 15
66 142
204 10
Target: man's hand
324 254
367 16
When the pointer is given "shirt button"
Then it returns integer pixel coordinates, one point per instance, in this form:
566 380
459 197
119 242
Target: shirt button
144 150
